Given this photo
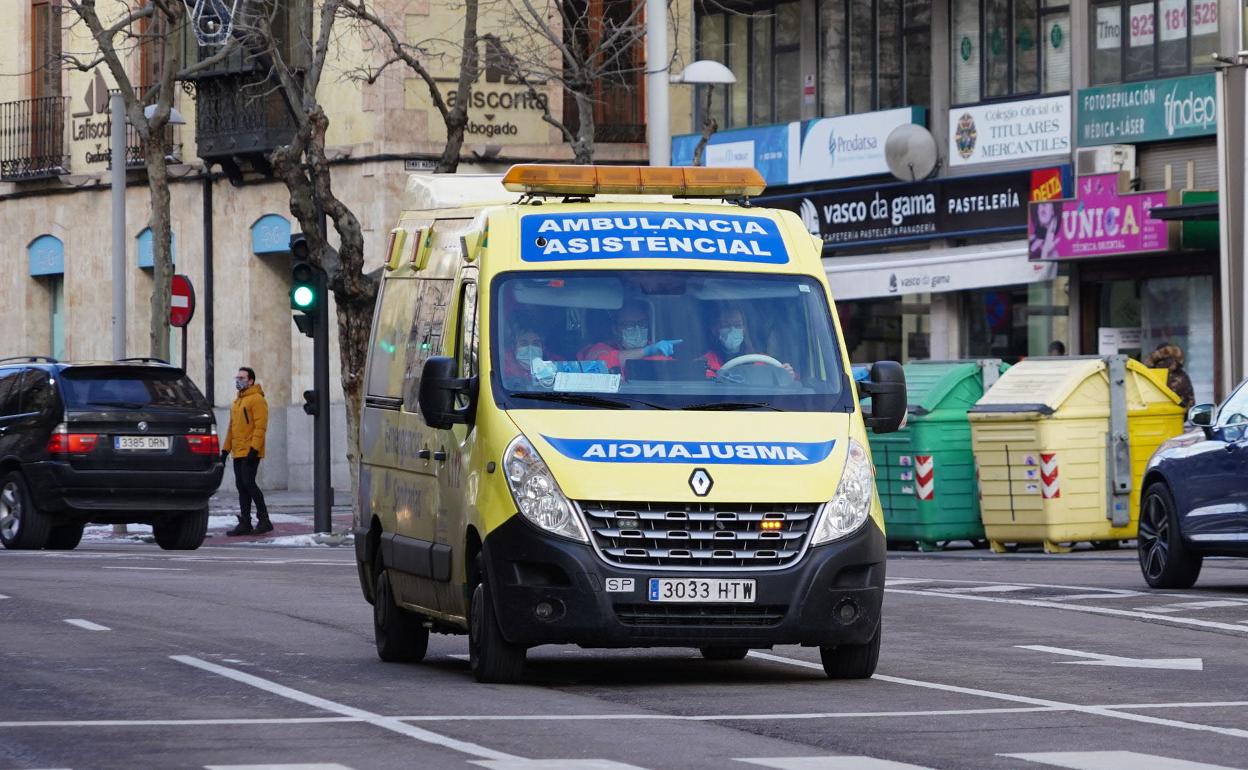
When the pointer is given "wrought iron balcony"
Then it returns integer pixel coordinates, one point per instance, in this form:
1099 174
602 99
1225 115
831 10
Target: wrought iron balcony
32 138
240 118
134 144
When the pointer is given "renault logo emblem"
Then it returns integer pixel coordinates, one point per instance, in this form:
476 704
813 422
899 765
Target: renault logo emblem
701 482
143 426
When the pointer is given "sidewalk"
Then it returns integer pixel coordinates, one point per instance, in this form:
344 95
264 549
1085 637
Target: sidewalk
290 512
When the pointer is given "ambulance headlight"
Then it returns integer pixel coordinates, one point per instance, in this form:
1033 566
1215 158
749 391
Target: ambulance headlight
537 496
845 513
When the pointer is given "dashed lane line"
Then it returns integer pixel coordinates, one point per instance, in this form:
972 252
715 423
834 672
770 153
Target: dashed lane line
553 764
378 720
151 569
314 766
1101 711
832 763
86 624
1203 605
1111 760
1091 610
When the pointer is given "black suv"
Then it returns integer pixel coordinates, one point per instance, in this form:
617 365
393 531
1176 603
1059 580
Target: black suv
113 442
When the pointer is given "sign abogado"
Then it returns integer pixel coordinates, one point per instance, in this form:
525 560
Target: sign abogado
1009 131
912 211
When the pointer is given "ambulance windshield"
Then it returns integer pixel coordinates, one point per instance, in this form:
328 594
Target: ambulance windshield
666 340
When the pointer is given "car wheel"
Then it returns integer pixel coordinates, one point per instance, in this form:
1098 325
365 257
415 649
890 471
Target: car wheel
1164 558
725 653
491 657
401 635
181 532
64 537
22 525
851 661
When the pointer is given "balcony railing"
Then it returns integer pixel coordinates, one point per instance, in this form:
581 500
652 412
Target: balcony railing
239 115
32 138
134 145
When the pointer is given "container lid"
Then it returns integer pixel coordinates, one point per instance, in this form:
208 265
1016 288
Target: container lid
1045 385
930 383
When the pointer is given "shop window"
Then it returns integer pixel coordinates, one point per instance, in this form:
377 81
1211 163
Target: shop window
1145 39
618 94
762 48
1009 48
873 55
887 329
1014 322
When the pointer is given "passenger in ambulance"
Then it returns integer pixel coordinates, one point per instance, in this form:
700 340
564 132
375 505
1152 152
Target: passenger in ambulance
731 338
630 340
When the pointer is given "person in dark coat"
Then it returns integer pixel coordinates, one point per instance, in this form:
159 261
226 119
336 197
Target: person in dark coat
1170 357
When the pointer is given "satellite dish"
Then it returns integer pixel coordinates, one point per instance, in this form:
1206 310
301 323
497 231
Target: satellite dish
910 152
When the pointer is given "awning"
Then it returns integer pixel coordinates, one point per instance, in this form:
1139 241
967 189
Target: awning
1204 212
935 270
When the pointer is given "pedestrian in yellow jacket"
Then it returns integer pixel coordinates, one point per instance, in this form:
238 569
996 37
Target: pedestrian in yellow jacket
244 441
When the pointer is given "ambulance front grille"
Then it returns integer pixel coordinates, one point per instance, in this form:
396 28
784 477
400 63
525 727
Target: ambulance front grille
700 536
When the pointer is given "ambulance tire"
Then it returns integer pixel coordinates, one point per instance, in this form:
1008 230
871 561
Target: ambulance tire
401 635
492 658
725 653
851 661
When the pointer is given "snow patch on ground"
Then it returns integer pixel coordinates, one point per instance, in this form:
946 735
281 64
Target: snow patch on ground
305 541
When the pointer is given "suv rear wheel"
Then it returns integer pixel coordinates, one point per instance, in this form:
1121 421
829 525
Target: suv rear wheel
22 525
182 532
65 537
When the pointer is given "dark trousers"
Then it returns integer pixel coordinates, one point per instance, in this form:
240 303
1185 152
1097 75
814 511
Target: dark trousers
245 469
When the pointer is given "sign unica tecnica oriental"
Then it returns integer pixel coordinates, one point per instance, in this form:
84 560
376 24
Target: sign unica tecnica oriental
1152 111
1100 220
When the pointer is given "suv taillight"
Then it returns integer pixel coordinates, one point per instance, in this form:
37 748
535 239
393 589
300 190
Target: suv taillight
72 443
203 445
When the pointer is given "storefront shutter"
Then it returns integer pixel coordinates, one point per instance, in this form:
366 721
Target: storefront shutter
1202 154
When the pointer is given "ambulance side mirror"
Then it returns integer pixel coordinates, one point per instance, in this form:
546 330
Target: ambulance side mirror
886 386
438 388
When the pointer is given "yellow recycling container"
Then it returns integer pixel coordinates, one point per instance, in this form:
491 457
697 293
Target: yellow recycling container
1060 447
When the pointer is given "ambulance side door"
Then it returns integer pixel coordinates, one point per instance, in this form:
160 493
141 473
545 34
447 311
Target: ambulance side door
454 447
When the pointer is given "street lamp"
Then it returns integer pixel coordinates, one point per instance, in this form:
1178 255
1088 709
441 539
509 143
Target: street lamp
709 74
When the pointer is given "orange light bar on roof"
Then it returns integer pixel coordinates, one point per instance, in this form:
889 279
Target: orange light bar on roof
690 181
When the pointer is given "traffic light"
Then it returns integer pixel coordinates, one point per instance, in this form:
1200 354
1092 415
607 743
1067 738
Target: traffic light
309 402
307 285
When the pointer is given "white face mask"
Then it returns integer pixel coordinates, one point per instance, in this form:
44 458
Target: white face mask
526 353
240 383
731 338
634 337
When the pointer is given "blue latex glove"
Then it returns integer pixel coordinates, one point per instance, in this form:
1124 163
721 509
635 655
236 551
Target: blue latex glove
661 348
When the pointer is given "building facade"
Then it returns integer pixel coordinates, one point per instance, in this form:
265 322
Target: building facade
1059 127
231 222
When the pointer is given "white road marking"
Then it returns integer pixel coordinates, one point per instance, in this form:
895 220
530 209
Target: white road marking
901 581
1102 711
153 569
990 589
1205 605
322 766
553 764
179 722
832 763
1098 659
1196 622
2 596
1111 760
1102 595
88 625
384 722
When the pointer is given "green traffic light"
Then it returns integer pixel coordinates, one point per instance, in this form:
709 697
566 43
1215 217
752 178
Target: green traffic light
303 296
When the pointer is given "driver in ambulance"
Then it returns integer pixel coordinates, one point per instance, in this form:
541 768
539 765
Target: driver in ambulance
731 338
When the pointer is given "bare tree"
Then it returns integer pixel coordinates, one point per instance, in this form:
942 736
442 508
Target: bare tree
304 168
581 49
155 25
415 55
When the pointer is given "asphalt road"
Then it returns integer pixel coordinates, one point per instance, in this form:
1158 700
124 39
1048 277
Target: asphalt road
124 656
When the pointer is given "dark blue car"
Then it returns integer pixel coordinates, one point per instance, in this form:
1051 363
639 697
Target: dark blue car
1195 501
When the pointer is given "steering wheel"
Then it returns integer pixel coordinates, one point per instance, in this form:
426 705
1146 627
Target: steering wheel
751 358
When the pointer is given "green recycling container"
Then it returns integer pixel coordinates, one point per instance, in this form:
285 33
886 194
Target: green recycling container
925 472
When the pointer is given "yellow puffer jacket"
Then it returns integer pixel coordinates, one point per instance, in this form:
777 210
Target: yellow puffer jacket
249 419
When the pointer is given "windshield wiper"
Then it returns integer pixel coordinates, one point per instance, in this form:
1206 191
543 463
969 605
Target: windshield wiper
730 406
584 399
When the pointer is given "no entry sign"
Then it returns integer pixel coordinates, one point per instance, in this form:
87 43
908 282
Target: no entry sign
181 301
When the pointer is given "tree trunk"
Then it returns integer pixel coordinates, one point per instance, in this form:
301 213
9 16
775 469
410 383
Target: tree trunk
583 147
457 119
162 257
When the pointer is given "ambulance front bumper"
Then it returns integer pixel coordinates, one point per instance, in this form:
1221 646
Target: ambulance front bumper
550 590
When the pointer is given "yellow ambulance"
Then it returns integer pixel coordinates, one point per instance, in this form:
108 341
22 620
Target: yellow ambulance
612 407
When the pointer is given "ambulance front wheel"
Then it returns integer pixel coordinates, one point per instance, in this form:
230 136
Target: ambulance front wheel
492 658
851 661
401 635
